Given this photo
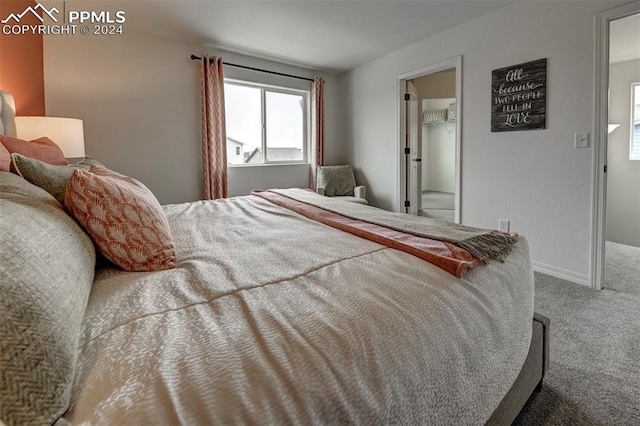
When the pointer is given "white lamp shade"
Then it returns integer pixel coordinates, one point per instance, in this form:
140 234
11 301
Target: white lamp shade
67 133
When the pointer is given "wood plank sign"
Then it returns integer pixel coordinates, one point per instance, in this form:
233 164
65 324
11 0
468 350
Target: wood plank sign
519 97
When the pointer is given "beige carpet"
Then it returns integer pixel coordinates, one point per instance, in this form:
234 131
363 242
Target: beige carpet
437 205
622 268
594 366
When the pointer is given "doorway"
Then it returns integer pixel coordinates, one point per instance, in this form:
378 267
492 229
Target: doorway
430 139
438 140
614 253
622 242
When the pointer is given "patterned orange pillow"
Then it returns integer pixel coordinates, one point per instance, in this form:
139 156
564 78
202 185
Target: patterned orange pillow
43 149
123 218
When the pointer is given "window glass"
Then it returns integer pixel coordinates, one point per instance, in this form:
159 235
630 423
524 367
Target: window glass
243 115
265 124
634 151
285 126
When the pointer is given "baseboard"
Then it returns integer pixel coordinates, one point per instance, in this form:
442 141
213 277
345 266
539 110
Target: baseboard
561 273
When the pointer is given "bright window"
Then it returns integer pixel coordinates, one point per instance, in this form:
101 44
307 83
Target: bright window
634 150
269 123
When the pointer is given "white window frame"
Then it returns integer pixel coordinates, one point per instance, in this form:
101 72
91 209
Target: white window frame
306 94
634 146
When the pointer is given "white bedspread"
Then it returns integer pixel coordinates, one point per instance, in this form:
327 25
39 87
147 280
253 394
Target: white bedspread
271 318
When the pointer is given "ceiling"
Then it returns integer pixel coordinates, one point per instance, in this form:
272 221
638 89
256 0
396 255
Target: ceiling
334 36
624 39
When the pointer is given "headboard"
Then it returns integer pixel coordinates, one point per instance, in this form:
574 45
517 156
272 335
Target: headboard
7 114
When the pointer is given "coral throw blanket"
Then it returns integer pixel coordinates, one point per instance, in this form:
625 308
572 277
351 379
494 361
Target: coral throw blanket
450 250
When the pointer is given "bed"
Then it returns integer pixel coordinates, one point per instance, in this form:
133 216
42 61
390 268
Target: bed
269 317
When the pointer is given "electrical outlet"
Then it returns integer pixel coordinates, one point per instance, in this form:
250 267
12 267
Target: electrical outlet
503 225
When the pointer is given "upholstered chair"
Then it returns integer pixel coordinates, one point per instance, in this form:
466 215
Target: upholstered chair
339 182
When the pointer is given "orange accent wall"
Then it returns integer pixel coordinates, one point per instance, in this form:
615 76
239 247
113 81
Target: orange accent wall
21 62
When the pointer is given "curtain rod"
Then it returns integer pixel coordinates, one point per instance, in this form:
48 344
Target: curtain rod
197 58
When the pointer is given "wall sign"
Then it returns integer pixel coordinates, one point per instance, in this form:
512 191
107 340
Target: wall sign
519 97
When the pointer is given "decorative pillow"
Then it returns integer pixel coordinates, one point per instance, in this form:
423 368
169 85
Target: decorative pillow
48 264
43 149
7 114
52 179
336 180
451 112
123 218
434 117
5 159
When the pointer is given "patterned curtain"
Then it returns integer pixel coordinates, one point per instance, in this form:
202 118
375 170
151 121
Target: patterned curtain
317 124
214 135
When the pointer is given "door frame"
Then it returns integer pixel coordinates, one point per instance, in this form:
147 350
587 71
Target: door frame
454 62
413 140
600 122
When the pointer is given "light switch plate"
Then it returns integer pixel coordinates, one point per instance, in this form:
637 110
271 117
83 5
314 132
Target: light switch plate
581 140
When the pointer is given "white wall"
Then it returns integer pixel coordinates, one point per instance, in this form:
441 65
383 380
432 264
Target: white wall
536 178
438 150
441 84
623 175
139 97
437 85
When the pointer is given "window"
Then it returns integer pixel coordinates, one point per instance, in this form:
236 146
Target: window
634 149
266 124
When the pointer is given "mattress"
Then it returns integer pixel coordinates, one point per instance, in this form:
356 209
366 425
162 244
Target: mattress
272 318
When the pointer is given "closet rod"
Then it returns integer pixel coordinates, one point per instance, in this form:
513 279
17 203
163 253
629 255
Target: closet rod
197 58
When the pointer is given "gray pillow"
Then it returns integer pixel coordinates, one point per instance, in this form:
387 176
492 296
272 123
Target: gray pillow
7 114
46 275
49 177
336 180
